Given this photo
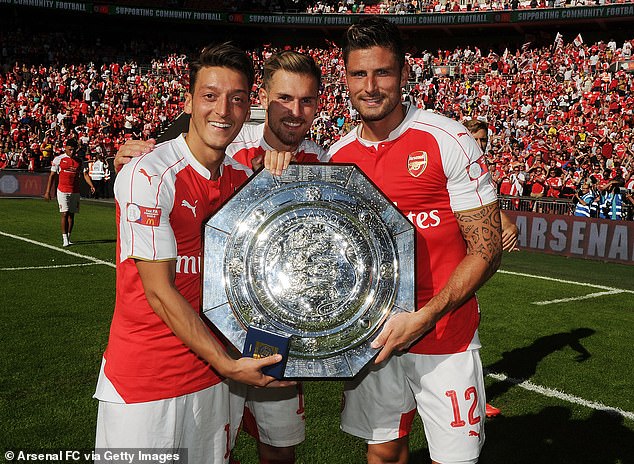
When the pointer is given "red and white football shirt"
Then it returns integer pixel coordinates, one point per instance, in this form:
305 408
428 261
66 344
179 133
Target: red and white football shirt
429 166
68 170
250 143
162 201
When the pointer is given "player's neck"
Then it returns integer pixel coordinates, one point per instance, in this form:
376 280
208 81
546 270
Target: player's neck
212 161
377 131
210 158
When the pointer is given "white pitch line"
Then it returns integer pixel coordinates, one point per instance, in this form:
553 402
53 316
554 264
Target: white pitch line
608 290
576 298
59 266
552 279
527 385
61 250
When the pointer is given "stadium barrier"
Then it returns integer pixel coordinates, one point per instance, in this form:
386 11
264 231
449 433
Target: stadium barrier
528 16
574 236
560 206
538 205
20 183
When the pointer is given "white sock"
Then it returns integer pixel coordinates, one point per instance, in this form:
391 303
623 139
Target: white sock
65 239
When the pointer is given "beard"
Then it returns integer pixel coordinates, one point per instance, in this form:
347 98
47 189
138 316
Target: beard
375 113
288 137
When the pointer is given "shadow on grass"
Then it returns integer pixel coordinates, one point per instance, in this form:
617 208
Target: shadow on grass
521 363
92 242
551 437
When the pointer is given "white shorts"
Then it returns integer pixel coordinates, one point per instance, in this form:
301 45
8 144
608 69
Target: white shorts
274 416
198 422
68 202
447 390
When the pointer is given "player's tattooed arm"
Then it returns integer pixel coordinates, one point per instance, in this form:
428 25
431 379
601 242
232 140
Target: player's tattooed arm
481 229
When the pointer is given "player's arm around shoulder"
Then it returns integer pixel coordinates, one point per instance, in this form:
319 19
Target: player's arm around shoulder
130 150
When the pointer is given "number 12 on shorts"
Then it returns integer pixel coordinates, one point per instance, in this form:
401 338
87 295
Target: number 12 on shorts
470 394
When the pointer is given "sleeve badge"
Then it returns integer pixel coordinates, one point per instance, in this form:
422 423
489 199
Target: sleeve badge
143 215
477 169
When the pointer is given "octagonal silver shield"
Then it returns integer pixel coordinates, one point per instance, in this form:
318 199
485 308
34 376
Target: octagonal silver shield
318 254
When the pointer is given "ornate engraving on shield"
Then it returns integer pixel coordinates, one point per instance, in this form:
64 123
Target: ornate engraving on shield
318 254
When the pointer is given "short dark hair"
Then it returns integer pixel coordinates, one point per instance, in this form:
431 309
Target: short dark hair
475 125
225 55
374 32
292 62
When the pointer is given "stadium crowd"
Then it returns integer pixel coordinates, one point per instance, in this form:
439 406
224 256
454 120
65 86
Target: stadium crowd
439 6
558 117
368 6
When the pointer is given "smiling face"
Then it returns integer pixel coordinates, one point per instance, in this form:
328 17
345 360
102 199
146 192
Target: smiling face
291 101
375 80
218 105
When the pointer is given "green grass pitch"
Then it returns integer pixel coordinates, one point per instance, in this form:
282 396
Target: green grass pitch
556 333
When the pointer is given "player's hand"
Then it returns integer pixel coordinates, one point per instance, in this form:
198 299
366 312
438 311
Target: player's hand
277 161
132 149
509 237
401 331
249 371
47 196
257 163
92 189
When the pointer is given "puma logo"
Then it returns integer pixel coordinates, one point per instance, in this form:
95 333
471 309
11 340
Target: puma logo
188 205
473 433
149 176
460 134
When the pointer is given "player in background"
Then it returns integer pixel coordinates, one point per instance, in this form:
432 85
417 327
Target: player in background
290 97
66 168
161 381
436 174
480 132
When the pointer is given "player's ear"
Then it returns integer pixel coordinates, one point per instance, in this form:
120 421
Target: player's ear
187 108
264 98
405 74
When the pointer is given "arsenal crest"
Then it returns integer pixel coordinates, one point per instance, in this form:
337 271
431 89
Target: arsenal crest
417 163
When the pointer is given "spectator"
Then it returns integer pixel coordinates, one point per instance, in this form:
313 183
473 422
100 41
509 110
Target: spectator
97 172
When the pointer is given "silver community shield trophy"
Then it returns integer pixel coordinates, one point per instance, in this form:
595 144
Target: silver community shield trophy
318 254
